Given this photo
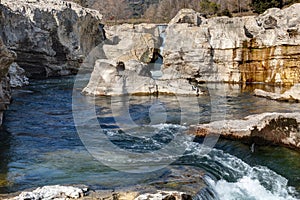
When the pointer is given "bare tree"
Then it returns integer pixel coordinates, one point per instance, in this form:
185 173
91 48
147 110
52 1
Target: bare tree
113 9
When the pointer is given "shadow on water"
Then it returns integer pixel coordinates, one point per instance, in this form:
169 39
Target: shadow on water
5 140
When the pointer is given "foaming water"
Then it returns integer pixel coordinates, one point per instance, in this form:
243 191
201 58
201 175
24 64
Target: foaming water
41 145
235 179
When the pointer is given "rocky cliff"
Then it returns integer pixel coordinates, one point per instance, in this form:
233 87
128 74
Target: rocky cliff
50 37
126 64
6 59
264 48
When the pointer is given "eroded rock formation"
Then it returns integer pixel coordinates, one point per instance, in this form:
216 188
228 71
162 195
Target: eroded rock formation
264 48
50 37
126 65
6 59
266 128
131 42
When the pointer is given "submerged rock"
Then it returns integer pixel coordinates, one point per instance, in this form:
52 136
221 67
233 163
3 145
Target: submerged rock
291 95
50 37
267 128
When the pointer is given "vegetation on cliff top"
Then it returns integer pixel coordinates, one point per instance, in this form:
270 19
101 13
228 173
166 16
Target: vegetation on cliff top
164 10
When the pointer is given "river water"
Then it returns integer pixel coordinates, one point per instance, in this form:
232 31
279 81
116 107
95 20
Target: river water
39 143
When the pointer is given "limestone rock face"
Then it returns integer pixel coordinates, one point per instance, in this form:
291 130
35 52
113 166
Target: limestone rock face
131 42
125 65
264 48
50 37
291 95
6 59
266 128
108 79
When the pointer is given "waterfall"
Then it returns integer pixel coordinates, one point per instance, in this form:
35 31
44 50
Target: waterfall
156 69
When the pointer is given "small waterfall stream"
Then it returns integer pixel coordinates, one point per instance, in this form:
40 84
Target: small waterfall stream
156 68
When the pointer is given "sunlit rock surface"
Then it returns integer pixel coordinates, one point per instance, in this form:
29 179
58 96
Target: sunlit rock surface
131 42
267 128
53 192
177 182
264 48
50 37
109 79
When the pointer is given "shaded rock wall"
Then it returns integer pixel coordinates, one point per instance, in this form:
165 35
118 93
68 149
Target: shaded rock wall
264 48
6 59
50 37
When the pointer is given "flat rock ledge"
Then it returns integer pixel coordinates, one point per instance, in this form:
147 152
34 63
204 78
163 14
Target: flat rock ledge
174 183
291 95
262 129
58 192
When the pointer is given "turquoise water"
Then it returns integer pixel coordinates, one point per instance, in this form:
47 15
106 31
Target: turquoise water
40 144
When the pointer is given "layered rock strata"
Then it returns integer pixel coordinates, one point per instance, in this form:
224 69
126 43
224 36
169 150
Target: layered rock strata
267 128
264 48
50 37
252 49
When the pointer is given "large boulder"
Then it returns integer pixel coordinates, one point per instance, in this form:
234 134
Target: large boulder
264 48
267 128
6 59
50 37
131 42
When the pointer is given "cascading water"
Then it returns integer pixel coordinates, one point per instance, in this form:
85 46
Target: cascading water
231 178
156 68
